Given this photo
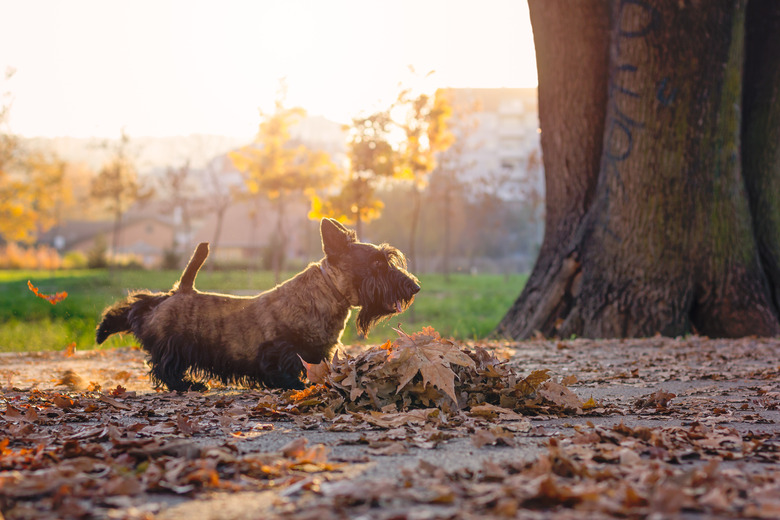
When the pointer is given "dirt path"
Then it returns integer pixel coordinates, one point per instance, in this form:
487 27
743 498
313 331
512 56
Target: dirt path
685 426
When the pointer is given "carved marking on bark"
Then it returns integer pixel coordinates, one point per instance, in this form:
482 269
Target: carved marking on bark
638 7
636 20
665 94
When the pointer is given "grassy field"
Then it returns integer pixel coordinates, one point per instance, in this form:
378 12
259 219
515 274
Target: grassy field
464 307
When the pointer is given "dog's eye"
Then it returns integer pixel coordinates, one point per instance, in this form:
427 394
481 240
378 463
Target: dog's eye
378 264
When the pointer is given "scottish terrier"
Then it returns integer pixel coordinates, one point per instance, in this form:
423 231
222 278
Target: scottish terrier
192 335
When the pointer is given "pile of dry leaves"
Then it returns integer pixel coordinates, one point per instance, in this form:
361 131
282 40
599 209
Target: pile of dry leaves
423 370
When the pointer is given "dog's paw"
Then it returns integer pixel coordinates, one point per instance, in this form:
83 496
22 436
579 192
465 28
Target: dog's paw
187 386
197 386
284 382
297 384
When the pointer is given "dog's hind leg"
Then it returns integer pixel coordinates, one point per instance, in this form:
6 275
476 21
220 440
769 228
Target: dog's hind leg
176 382
168 366
187 281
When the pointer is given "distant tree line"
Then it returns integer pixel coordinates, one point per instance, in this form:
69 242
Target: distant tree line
401 182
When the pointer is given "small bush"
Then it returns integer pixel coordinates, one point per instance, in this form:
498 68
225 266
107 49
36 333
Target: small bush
170 260
128 261
74 260
97 256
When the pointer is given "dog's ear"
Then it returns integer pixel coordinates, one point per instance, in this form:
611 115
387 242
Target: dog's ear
335 237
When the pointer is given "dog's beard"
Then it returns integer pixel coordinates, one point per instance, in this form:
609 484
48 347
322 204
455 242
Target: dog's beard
383 296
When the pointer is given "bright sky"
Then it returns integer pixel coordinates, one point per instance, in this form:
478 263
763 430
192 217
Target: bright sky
159 67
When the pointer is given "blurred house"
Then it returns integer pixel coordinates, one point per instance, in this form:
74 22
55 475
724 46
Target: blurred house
248 230
144 236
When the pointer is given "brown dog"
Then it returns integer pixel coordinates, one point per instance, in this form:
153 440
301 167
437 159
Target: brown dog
253 340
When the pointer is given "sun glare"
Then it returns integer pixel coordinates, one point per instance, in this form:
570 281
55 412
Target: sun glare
93 67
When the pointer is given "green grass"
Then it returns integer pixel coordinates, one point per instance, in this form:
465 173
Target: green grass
464 307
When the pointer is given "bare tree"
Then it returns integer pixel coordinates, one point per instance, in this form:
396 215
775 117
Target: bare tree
221 197
177 182
117 185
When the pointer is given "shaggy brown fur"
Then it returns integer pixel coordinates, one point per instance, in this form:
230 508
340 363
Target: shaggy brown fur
258 340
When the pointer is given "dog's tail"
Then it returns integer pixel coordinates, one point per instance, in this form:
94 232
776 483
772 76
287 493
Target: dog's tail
127 315
187 281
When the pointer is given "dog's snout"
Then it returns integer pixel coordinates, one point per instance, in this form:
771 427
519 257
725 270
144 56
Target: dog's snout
414 288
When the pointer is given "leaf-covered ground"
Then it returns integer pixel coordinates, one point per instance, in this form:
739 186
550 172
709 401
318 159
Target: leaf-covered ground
418 428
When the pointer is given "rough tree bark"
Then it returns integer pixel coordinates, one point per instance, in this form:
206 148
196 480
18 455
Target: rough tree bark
761 131
649 226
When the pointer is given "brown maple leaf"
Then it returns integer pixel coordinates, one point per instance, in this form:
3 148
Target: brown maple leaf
316 373
394 420
529 385
426 353
493 436
119 391
493 412
560 395
186 426
659 399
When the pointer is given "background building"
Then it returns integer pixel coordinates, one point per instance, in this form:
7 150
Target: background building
502 148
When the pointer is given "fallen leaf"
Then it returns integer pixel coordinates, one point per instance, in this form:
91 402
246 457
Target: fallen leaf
590 404
493 436
428 355
560 395
659 399
113 402
186 426
394 420
13 414
532 381
63 401
119 391
316 373
569 380
295 448
72 380
492 412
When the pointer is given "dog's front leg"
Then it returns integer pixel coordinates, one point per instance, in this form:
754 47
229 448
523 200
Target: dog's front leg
280 366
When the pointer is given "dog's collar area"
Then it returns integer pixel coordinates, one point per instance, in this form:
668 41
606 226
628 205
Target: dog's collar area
329 281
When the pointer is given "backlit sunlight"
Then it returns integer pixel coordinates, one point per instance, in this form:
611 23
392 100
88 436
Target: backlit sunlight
90 68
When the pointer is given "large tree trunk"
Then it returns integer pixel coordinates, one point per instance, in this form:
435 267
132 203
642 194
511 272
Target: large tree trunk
665 243
761 131
572 50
